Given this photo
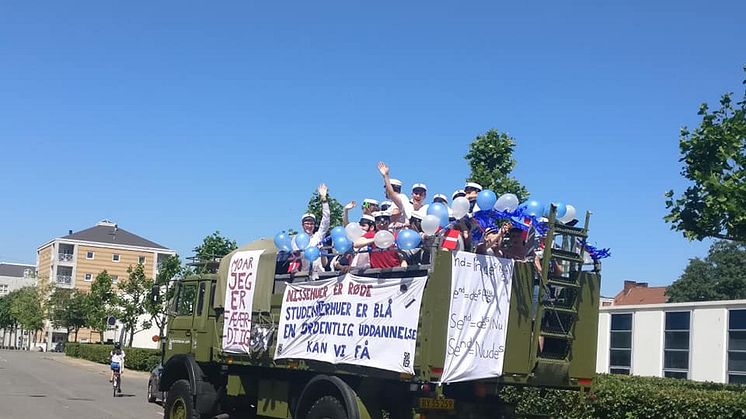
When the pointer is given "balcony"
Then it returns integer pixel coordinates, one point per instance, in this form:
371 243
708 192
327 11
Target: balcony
64 279
65 257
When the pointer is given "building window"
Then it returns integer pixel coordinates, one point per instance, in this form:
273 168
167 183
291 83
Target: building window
620 348
141 260
737 346
3 289
676 345
115 257
89 277
89 255
114 278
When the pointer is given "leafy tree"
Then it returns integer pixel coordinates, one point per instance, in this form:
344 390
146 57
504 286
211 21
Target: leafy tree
314 207
100 303
7 321
67 308
131 303
491 161
27 308
212 249
169 271
714 157
720 276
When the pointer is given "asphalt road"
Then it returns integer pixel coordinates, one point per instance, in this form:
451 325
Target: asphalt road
51 385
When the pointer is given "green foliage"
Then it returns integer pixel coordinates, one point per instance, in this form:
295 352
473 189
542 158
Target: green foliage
314 207
170 270
67 308
139 359
212 249
100 303
7 321
614 396
720 276
131 303
714 158
491 161
26 307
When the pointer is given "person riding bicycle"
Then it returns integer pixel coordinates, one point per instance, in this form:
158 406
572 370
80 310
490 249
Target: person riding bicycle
116 356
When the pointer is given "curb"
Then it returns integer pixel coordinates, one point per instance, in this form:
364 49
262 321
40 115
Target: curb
102 368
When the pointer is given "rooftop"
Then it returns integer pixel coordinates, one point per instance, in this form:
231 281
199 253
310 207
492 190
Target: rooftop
637 293
108 232
16 270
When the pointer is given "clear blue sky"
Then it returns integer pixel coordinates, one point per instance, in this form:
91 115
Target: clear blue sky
176 119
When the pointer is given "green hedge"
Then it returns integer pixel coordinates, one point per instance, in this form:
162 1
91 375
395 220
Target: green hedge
617 396
136 358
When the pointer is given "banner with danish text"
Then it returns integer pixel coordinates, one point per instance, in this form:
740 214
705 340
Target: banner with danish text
352 320
478 317
239 298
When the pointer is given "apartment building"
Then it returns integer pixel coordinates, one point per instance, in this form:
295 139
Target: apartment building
74 260
14 276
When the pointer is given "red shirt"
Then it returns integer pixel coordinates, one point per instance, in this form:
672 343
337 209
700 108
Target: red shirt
382 259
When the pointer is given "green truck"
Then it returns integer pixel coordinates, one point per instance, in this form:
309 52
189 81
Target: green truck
317 349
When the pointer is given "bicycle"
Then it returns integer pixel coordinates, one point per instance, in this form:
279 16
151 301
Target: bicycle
116 383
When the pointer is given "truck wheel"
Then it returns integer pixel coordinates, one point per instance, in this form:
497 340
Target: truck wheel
179 403
151 393
327 407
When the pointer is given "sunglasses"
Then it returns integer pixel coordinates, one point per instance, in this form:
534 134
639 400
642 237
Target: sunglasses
470 189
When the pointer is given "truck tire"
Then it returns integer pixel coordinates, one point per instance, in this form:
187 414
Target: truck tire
180 403
327 407
151 394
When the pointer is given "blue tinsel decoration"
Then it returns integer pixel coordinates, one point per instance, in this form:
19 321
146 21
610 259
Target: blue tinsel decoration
594 252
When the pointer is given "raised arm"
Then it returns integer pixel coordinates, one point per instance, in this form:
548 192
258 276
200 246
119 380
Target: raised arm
326 214
345 214
395 197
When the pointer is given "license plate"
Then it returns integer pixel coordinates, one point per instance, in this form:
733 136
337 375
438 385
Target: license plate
436 404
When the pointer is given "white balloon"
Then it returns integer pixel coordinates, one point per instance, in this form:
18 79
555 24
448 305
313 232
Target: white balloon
507 202
569 215
460 207
383 239
354 231
430 224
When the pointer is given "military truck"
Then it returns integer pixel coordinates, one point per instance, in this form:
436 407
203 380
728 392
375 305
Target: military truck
548 338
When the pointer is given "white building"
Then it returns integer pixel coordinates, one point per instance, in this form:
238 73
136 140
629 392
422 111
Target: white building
703 341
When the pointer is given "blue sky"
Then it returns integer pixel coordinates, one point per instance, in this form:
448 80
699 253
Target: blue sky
176 119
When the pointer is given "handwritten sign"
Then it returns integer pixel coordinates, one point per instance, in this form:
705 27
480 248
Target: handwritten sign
478 317
239 297
352 320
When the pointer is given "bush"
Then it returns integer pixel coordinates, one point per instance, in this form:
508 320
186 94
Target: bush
617 396
136 358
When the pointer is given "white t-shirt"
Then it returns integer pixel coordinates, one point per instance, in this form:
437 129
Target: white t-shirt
118 358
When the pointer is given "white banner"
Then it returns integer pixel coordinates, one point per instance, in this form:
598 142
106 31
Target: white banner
239 297
352 320
478 318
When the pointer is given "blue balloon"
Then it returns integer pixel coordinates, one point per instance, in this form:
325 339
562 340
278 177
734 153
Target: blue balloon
338 231
486 200
561 210
312 253
440 211
534 207
342 244
282 242
302 241
407 239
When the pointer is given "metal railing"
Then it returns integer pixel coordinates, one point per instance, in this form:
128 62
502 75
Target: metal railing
64 279
65 257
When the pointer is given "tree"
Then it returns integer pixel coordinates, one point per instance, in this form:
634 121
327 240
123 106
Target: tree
100 303
314 207
27 309
7 321
131 303
491 161
67 308
714 158
169 271
212 249
720 276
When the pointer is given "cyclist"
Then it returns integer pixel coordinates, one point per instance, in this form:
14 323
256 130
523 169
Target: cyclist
116 356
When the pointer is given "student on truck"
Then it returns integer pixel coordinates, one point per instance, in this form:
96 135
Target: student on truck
308 224
388 258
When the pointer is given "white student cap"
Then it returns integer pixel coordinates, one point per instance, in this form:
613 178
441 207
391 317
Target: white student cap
370 201
395 182
367 217
457 193
419 185
474 185
306 216
381 214
441 196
